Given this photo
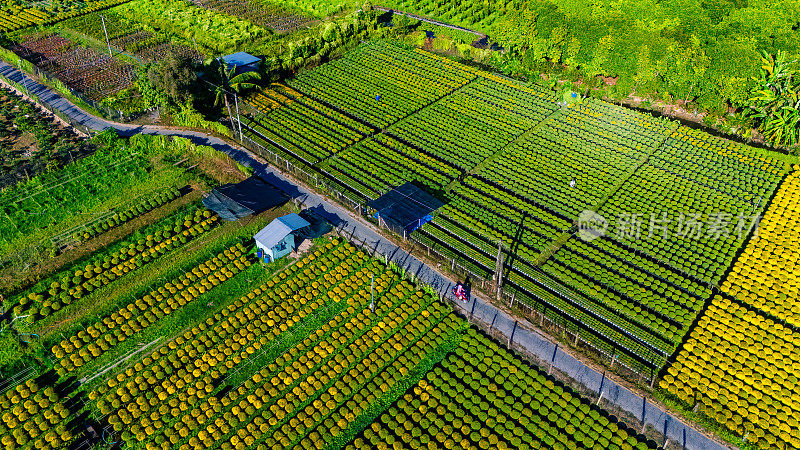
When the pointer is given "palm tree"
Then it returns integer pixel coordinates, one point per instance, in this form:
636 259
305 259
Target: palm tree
775 101
228 81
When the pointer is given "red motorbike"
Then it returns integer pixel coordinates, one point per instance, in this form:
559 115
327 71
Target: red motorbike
460 293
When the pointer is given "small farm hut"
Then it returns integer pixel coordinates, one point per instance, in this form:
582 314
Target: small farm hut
277 239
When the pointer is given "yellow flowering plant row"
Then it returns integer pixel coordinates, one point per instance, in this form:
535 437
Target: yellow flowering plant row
86 345
16 17
286 399
33 417
327 355
482 396
741 369
138 251
188 369
767 274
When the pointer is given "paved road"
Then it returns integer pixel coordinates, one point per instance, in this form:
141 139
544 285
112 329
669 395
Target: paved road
478 309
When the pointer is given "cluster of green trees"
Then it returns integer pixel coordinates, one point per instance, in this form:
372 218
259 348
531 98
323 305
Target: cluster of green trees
700 54
703 54
774 105
173 83
324 42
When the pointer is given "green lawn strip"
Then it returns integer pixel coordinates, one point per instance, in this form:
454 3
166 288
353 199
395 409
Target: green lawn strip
374 410
42 325
10 351
188 316
123 197
115 295
82 252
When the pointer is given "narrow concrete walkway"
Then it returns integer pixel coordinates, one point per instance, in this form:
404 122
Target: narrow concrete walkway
478 309
430 21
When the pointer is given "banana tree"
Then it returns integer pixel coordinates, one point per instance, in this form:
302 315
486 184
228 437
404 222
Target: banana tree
775 100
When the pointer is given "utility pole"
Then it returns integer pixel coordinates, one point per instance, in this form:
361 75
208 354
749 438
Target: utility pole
238 119
498 271
372 294
24 81
103 19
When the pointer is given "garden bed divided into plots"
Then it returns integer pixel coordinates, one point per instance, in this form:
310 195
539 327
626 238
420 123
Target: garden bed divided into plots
739 365
517 168
129 36
93 74
322 359
32 142
13 16
298 358
484 396
275 16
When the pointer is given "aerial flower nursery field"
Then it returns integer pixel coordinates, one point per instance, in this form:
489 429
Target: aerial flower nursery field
483 395
502 155
300 360
740 365
134 317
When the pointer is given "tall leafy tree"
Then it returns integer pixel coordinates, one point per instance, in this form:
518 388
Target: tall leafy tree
226 81
174 76
775 100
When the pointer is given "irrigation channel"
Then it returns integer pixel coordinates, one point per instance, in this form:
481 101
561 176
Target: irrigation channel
518 334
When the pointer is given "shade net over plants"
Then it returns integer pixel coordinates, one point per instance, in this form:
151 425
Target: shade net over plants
251 196
404 208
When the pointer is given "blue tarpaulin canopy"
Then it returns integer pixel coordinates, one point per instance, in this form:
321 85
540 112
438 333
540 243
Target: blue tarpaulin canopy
243 62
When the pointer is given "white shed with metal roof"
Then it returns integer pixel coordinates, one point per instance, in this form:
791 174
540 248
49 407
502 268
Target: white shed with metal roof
276 240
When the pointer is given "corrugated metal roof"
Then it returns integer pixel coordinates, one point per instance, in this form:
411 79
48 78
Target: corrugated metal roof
273 233
240 59
294 221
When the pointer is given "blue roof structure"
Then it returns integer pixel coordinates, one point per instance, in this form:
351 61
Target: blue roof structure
240 60
406 207
273 233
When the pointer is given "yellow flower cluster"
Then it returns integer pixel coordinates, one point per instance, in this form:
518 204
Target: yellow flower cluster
740 364
740 369
767 275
